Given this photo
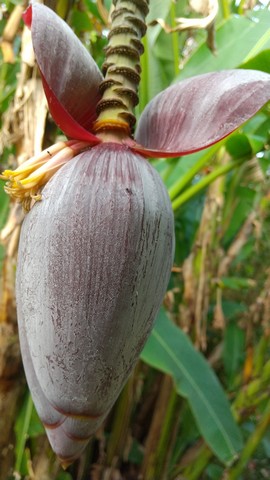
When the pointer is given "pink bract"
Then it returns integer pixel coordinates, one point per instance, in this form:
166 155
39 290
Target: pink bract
186 117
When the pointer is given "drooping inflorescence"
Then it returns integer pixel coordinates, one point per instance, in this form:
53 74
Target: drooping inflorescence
97 247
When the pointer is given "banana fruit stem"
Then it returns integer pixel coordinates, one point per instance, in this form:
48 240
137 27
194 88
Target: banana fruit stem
122 68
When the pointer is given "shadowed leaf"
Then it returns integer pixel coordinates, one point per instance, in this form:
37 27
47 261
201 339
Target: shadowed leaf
171 351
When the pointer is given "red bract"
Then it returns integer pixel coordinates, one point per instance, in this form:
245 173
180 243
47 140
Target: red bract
70 76
95 254
184 118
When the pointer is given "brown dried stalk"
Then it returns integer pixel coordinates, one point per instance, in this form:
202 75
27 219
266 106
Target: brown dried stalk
201 265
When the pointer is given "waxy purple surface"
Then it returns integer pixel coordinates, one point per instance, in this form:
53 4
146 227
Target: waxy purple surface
95 258
71 77
198 112
184 118
95 255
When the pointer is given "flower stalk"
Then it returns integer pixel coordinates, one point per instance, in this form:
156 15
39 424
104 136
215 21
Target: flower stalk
122 69
204 182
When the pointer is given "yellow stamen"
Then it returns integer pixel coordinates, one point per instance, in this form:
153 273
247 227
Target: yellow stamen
24 184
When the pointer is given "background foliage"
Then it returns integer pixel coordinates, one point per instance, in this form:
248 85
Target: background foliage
197 405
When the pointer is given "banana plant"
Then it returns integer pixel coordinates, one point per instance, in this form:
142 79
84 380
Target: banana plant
97 243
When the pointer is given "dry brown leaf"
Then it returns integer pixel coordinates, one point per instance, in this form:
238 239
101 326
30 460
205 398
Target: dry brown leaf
208 8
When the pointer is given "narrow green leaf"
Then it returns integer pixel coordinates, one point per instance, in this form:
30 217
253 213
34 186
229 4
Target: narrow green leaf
4 207
21 430
264 163
92 7
241 145
171 351
259 62
236 283
204 182
233 351
152 79
244 201
64 476
158 9
80 21
4 204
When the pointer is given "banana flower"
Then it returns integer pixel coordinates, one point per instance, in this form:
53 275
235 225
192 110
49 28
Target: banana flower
96 247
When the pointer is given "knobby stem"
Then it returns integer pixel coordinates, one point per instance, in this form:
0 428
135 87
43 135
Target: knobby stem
119 90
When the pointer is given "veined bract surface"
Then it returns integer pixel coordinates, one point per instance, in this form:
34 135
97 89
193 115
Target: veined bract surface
94 263
96 249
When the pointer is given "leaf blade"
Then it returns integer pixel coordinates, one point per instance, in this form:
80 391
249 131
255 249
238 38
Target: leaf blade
195 380
231 53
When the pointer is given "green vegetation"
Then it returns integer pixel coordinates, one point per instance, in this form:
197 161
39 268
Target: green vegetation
197 405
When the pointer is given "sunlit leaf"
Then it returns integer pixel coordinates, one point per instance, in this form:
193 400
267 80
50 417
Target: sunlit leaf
241 145
235 39
259 62
158 9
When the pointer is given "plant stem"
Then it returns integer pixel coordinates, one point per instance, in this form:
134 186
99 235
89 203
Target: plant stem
168 171
204 182
24 432
174 36
120 428
240 7
144 90
180 184
122 68
153 462
225 8
199 461
167 435
251 445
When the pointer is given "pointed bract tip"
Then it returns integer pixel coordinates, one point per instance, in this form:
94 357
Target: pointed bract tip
27 16
65 463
